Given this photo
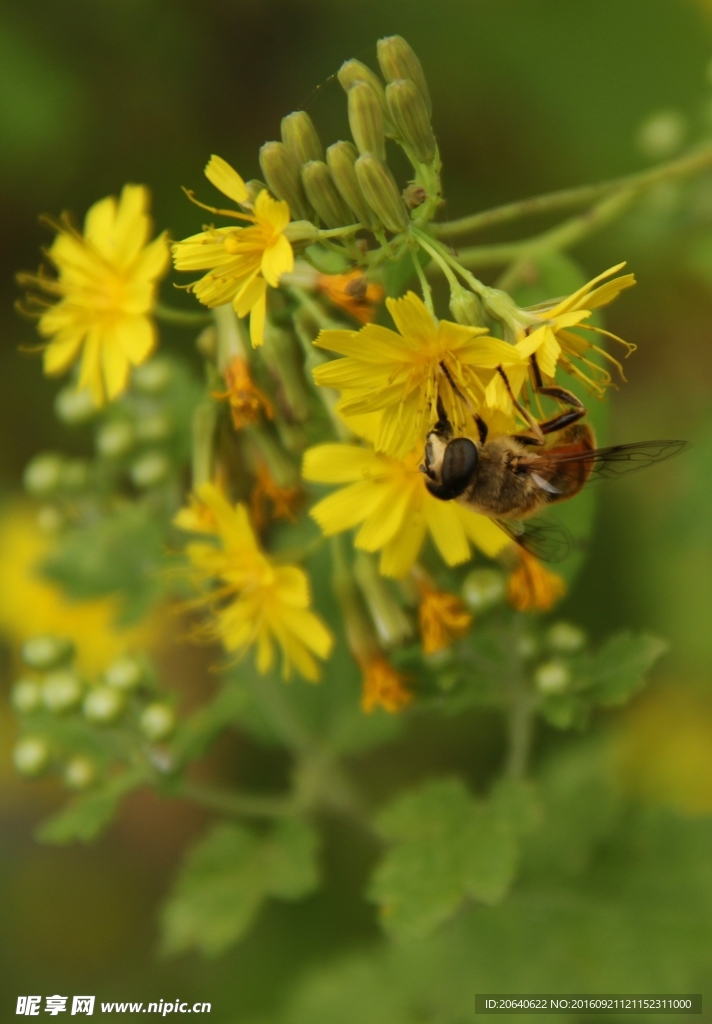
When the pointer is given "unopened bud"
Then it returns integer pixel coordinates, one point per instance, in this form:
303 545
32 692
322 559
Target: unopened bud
300 137
565 637
301 231
341 158
157 722
352 71
115 439
466 308
74 407
42 475
398 60
150 470
61 691
411 118
282 173
254 186
45 652
552 677
26 696
124 674
30 756
483 589
103 704
392 624
414 195
75 474
366 120
323 194
153 428
381 192
79 773
152 378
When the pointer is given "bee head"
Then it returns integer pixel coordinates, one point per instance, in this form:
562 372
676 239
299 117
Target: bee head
449 465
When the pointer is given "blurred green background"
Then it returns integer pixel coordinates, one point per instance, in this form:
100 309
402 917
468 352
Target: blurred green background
529 96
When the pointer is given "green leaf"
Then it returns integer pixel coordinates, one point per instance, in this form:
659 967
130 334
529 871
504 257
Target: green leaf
86 816
615 672
228 875
446 847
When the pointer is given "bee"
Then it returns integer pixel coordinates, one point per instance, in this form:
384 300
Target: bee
511 478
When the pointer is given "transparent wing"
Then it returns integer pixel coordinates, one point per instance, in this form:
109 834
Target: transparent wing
605 463
546 540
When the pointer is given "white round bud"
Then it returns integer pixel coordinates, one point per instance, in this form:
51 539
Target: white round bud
30 755
157 722
115 439
483 589
42 475
75 474
103 704
565 637
150 470
79 773
74 407
552 677
662 134
153 377
26 696
45 651
526 645
124 674
153 428
61 691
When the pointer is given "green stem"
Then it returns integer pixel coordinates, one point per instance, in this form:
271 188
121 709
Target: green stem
520 723
180 317
239 804
203 429
425 287
582 195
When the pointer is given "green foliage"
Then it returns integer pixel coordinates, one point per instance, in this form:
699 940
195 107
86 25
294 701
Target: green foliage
85 817
228 875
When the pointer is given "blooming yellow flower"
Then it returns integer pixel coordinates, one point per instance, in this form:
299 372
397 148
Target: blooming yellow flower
105 289
383 687
555 343
352 292
241 262
442 618
389 499
404 373
253 600
531 587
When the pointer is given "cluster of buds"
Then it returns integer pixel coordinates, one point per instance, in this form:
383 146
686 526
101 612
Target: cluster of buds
60 712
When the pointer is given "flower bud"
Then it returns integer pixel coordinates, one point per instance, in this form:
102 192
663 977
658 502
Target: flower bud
300 137
381 192
42 475
79 773
366 120
301 231
45 652
392 624
410 116
483 589
466 308
61 691
207 343
352 71
75 474
115 439
157 722
398 60
74 407
30 755
150 470
103 704
124 674
155 427
341 158
323 194
26 696
152 378
553 677
282 173
565 637
254 186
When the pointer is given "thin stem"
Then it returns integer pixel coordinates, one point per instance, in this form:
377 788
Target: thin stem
425 286
336 232
239 804
315 311
180 317
682 167
436 254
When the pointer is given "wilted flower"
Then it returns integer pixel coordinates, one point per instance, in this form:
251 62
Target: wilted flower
442 618
245 398
353 292
383 687
532 587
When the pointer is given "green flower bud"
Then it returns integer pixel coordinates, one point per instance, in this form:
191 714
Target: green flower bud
115 439
75 474
381 192
150 470
61 691
45 652
26 696
254 186
157 722
74 407
156 427
79 773
483 589
207 343
152 378
565 637
366 120
282 174
398 60
341 158
553 677
466 308
352 71
300 137
30 756
124 674
103 704
324 195
42 475
411 118
301 231
392 624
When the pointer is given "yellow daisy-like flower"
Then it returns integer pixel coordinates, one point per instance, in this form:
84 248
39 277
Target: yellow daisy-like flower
390 502
254 601
383 687
105 287
554 343
241 262
404 373
442 618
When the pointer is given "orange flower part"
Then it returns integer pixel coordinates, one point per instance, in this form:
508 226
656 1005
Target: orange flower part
383 687
244 396
352 292
284 500
442 618
531 587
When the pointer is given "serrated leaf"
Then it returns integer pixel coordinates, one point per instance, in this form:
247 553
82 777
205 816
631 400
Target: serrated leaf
86 816
228 875
618 669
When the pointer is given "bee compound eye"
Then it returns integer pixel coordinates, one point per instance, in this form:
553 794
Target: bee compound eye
459 464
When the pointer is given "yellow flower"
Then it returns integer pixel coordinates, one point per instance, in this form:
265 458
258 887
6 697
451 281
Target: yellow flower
352 292
105 289
404 373
389 498
254 601
555 343
241 261
442 618
531 587
383 687
244 396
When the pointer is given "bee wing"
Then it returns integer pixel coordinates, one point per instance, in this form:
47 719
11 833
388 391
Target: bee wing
546 540
606 463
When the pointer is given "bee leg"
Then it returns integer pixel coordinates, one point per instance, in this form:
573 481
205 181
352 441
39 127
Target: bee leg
482 428
536 430
576 409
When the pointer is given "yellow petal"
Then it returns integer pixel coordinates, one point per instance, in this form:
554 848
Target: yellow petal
258 315
483 532
114 364
386 520
90 376
277 259
224 177
413 320
152 261
548 354
132 224
400 553
341 463
446 529
249 294
137 337
271 213
574 300
348 507
99 225
609 291
62 352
